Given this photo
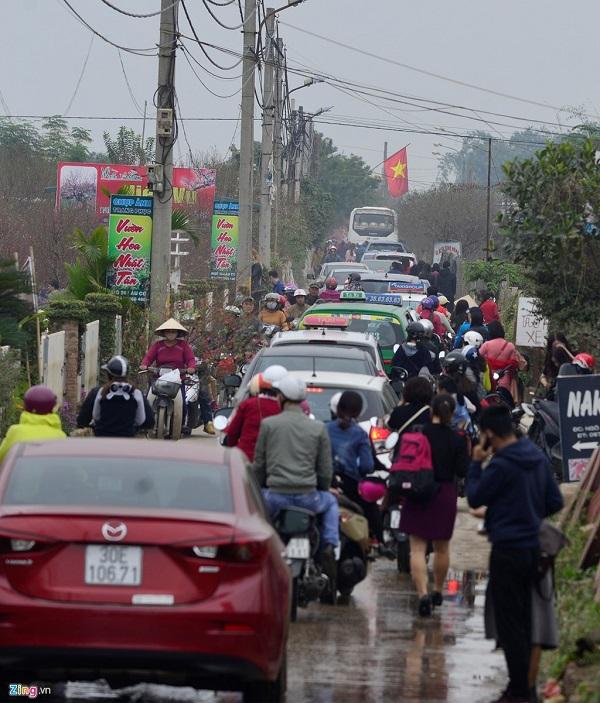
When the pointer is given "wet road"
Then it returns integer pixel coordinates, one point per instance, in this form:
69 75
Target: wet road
374 649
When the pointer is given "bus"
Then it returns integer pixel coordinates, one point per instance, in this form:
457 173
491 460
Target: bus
377 224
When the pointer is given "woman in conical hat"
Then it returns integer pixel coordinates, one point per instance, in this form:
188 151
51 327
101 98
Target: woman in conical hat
172 351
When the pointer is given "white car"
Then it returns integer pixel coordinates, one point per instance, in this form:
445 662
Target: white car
334 338
411 288
383 262
339 269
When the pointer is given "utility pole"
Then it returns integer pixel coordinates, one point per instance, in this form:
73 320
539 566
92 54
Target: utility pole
489 200
385 158
299 153
267 161
162 173
277 145
247 146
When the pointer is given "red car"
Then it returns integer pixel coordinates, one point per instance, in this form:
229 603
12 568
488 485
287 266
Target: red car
140 561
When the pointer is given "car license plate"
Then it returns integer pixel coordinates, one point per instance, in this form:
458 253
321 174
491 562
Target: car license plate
298 548
112 565
395 519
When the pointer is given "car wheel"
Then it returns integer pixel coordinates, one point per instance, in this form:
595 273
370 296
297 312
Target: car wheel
268 691
403 557
294 603
161 421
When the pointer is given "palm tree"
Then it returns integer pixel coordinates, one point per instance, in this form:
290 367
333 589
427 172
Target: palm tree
88 273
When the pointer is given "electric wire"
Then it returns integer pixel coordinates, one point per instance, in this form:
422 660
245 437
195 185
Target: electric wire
4 105
133 14
131 95
85 63
138 52
201 44
210 73
212 92
218 21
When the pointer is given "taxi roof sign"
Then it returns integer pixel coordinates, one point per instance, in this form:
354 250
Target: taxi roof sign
325 321
353 295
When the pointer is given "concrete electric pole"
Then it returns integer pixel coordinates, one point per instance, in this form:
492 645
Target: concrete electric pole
267 161
277 144
247 146
161 174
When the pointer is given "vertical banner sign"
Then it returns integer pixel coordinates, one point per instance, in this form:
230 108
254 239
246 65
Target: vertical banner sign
532 330
129 246
224 240
579 412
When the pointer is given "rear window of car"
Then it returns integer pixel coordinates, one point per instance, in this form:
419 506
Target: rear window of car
376 286
385 332
318 398
319 363
119 481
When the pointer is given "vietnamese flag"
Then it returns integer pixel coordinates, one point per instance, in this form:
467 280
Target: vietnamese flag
396 173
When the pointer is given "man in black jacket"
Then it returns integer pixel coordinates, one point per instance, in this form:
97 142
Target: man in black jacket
446 282
519 491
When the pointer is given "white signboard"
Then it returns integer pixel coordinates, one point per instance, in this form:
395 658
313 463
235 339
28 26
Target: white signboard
446 250
531 329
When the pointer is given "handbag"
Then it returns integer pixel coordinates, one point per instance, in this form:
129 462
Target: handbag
552 541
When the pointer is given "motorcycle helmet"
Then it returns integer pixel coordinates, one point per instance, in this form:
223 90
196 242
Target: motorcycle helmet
427 326
117 367
233 310
414 331
371 491
472 338
585 361
39 400
272 301
428 303
291 388
443 300
354 277
274 373
436 302
454 362
331 283
299 292
334 402
258 384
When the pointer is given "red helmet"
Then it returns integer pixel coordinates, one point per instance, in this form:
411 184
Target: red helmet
40 400
586 361
331 283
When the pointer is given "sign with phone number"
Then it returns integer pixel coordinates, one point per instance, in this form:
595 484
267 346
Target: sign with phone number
384 299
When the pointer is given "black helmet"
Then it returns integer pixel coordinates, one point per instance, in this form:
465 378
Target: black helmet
355 276
414 330
117 367
454 362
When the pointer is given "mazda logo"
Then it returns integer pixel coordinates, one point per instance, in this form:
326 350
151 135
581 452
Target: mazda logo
114 533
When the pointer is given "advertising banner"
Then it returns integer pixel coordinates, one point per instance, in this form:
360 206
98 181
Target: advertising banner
130 246
579 411
80 184
224 240
531 329
446 250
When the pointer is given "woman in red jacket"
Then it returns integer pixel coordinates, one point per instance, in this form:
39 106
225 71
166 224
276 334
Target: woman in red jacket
244 425
173 351
489 308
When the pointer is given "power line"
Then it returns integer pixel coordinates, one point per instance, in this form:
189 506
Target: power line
4 104
139 52
420 70
133 14
201 44
218 21
85 63
131 95
212 92
210 73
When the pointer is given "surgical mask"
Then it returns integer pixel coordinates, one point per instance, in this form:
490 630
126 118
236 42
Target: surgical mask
271 305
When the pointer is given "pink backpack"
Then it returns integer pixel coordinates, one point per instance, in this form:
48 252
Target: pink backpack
411 474
438 327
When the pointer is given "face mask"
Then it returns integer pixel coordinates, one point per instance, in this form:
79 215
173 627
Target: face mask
272 305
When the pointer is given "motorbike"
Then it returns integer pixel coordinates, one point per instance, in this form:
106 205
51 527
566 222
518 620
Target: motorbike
398 378
354 548
299 531
166 400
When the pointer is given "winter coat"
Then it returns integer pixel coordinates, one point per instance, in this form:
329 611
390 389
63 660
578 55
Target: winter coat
244 426
32 428
351 450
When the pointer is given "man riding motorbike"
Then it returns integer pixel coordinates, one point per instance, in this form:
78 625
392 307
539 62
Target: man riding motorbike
433 345
353 282
412 355
174 352
331 293
299 307
292 462
272 314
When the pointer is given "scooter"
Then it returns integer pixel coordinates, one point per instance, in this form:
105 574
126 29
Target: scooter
544 431
352 565
166 400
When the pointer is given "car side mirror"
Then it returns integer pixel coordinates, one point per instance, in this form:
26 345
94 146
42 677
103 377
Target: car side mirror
232 381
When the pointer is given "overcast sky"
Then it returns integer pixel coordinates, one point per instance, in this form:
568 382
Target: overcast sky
544 51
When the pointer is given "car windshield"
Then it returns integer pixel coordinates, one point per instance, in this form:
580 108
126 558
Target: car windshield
386 246
121 481
318 398
295 362
376 286
373 224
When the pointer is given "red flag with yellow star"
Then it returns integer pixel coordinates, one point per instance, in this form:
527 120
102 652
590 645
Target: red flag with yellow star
396 173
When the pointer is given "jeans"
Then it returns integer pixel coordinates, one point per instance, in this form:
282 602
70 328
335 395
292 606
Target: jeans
320 502
205 409
512 573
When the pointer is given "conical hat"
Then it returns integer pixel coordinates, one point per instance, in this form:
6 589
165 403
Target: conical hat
171 324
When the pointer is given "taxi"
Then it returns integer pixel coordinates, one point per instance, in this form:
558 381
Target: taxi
390 288
387 323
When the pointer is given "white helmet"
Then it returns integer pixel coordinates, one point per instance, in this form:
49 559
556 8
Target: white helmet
300 291
274 373
472 339
334 402
233 309
291 388
427 326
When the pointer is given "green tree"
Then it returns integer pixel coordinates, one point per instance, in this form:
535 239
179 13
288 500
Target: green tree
88 273
14 285
127 148
549 223
469 164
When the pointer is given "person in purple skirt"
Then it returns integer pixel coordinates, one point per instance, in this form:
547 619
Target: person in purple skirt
433 520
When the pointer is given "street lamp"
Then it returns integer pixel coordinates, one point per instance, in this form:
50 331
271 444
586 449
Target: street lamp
307 82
